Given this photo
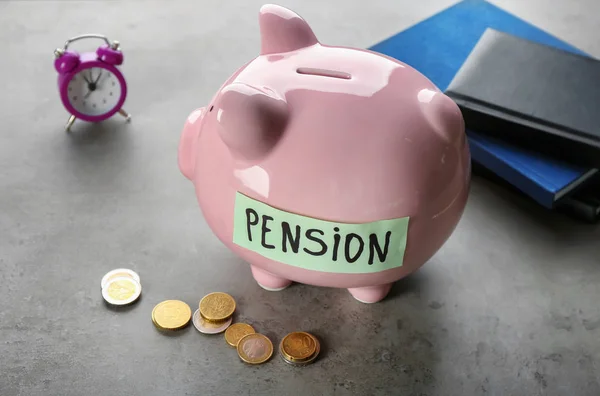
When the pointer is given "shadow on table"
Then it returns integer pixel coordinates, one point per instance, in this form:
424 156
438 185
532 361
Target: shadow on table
98 156
408 285
122 308
526 207
511 210
102 135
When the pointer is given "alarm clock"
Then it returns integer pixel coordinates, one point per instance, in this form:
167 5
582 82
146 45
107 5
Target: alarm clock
91 86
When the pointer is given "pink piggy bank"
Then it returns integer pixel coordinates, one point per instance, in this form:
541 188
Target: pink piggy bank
327 166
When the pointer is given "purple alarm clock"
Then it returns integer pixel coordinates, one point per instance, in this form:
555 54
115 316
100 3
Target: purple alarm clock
90 85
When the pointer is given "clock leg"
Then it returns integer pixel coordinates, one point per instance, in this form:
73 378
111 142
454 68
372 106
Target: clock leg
70 122
125 114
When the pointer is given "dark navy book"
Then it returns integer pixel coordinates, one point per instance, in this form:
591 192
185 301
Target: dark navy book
584 205
438 47
531 95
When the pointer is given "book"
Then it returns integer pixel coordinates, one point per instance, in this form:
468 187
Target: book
542 178
439 45
584 205
532 95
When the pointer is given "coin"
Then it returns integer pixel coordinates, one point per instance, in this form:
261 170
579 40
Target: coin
303 362
217 306
236 332
208 327
121 291
298 346
117 273
171 315
255 348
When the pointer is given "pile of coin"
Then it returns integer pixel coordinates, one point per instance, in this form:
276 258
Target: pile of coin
299 348
215 315
121 286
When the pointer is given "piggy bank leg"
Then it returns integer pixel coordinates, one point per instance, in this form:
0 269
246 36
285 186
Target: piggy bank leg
370 294
268 281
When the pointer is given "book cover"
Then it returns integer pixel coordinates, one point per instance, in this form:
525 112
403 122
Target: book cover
532 95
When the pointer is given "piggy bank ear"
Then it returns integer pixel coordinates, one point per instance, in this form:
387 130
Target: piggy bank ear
251 120
282 30
444 115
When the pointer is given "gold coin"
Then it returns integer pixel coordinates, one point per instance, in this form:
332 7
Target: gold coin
217 306
255 348
121 291
304 362
171 315
236 332
298 346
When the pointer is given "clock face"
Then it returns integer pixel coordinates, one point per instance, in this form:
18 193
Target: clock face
94 91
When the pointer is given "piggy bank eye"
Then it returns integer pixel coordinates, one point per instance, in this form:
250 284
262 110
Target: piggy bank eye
211 109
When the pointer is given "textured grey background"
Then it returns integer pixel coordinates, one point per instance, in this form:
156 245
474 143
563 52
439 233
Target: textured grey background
509 306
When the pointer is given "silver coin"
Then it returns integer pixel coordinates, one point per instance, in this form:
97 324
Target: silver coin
117 273
304 363
122 290
206 327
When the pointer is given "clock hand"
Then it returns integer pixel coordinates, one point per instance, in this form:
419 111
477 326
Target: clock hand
98 78
85 78
87 94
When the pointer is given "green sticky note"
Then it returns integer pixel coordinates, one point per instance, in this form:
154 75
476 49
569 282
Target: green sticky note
318 245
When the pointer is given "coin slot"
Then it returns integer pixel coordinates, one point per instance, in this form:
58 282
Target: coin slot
323 73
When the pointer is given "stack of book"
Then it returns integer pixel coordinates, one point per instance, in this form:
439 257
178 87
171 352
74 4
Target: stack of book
531 102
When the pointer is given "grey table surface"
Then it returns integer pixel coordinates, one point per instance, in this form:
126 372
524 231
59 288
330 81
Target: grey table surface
509 306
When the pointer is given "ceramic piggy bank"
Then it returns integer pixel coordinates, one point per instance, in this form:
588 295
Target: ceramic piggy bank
325 165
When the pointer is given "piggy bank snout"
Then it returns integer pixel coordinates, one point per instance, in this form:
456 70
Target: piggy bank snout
188 143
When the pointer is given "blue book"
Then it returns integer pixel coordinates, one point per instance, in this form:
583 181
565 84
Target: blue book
438 47
543 179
